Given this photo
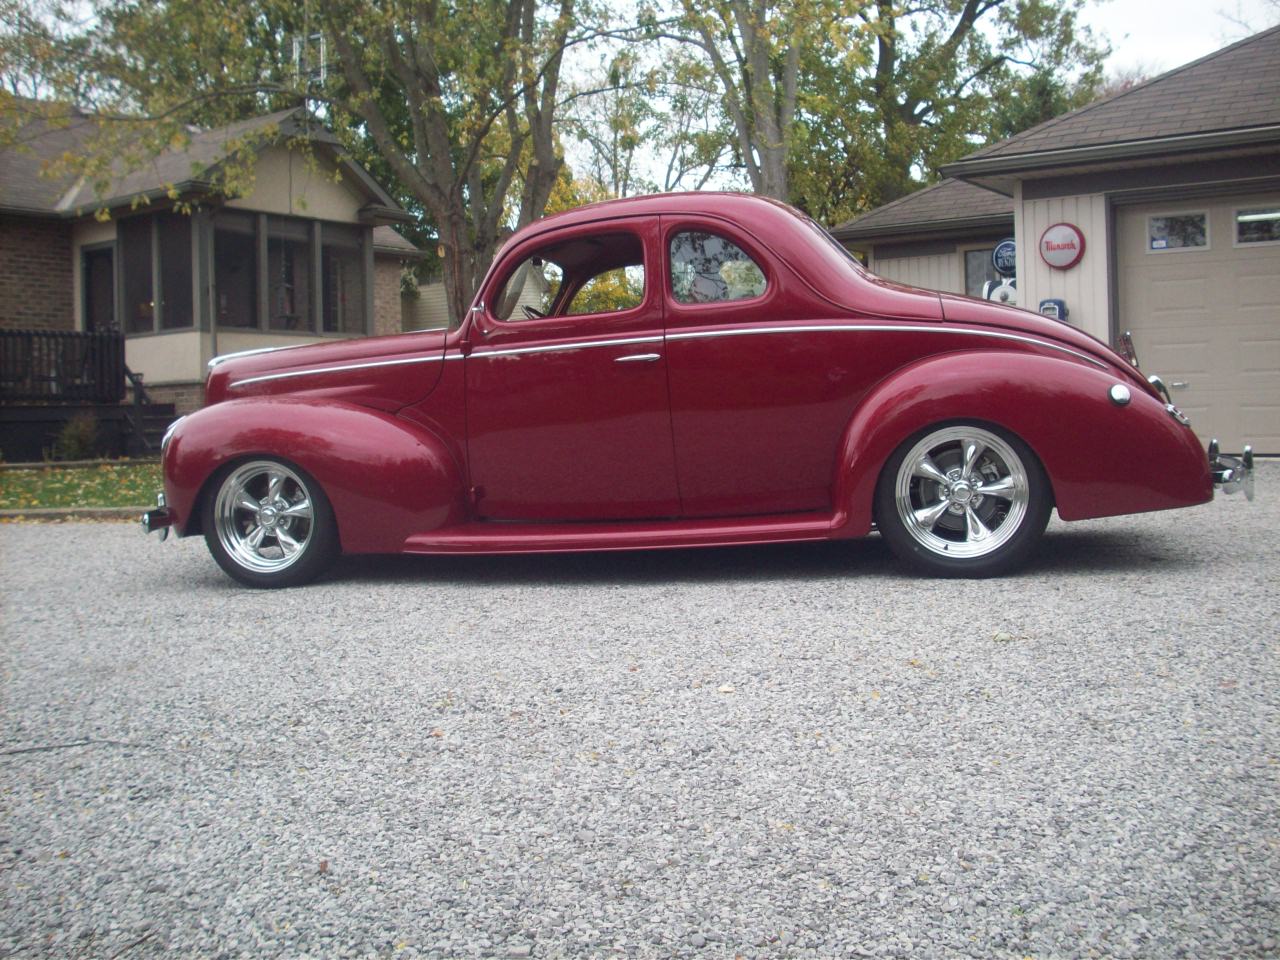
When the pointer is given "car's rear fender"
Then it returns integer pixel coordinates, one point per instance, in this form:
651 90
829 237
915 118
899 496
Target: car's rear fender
1102 458
386 479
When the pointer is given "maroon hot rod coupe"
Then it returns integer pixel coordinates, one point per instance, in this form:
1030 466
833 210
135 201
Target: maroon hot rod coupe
677 371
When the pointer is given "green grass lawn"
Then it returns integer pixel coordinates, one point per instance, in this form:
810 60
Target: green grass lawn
121 484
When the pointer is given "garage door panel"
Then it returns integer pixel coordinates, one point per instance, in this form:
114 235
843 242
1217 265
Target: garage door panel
1259 356
1209 319
1181 358
1179 294
1260 425
1257 285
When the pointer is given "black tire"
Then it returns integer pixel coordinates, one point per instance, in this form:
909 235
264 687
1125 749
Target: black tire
963 499
268 523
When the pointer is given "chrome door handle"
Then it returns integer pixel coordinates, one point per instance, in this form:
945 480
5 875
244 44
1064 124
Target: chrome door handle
638 358
1179 384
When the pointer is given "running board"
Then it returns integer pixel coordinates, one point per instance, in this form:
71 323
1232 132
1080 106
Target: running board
494 537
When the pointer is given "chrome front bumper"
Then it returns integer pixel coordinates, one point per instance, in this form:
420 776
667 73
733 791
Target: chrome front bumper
158 519
1232 473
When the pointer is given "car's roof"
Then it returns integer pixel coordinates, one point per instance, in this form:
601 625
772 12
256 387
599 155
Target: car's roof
734 205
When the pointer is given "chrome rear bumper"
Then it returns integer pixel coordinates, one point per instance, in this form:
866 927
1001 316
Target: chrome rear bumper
1232 473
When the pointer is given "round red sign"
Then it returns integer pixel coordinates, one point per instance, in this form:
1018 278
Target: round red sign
1062 246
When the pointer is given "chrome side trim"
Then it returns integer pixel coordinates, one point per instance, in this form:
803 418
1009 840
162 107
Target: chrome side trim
551 348
886 328
315 371
692 335
223 357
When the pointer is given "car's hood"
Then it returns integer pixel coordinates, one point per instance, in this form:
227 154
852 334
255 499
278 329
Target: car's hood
385 372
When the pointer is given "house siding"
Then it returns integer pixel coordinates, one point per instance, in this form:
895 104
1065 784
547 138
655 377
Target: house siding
429 309
36 275
297 184
1086 286
938 272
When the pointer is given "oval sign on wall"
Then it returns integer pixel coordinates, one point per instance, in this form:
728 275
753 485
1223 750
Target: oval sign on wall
1062 246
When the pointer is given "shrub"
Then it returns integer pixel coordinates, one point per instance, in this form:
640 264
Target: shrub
78 439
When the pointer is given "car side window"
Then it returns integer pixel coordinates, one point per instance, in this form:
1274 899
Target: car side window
610 291
530 292
706 268
582 274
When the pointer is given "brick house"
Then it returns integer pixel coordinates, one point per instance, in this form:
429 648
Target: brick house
307 254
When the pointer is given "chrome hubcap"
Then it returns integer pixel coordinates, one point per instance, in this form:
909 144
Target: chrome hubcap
263 516
962 492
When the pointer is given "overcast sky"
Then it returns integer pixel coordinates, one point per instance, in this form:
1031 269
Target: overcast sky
1158 35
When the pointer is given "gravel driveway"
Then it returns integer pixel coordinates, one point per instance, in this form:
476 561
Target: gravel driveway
772 752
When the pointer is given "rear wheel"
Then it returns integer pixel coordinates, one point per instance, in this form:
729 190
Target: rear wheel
268 524
963 500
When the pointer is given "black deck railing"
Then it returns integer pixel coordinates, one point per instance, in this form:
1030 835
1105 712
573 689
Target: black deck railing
61 367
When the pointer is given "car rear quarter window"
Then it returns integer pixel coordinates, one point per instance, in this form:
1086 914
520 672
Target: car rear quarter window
707 268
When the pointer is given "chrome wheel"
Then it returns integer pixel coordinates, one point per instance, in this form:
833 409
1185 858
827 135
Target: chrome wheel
264 517
962 492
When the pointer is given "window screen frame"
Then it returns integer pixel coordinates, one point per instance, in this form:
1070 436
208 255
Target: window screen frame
1236 242
1197 212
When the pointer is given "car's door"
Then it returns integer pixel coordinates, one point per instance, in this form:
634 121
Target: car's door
758 400
568 416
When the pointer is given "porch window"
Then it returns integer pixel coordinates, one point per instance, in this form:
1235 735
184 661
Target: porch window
135 256
288 274
344 279
155 256
235 270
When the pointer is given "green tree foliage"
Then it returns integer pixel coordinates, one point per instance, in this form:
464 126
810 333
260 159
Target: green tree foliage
452 103
841 105
758 52
459 106
941 78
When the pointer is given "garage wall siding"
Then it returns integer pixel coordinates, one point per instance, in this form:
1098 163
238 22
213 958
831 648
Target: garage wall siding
938 272
1085 287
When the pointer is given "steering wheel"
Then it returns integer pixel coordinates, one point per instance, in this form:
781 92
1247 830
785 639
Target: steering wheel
533 314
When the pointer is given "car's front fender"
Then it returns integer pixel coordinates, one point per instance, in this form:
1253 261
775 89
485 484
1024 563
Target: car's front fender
386 478
1102 458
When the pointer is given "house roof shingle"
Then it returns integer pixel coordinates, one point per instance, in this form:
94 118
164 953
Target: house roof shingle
194 161
1235 88
388 240
42 132
950 204
36 140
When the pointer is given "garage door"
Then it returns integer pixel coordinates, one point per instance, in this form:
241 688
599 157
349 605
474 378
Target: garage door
1199 285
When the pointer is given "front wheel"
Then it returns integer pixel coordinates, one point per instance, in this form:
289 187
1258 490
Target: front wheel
268 524
963 501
